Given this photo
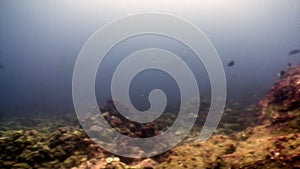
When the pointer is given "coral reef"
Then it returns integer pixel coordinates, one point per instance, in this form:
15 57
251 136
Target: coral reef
285 94
125 126
103 135
280 107
39 149
273 143
267 138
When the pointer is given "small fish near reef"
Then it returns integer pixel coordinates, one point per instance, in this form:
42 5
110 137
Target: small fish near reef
230 64
295 51
281 74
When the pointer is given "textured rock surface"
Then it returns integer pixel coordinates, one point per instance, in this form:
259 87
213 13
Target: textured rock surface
272 143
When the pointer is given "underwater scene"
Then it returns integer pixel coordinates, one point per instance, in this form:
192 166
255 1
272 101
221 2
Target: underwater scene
206 84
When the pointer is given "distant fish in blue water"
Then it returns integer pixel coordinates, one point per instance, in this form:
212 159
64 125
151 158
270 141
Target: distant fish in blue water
231 63
1 67
289 64
295 51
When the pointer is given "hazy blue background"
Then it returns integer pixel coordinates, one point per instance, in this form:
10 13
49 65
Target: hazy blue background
40 41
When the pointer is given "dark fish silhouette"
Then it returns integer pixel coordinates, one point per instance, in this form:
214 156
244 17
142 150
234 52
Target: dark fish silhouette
1 66
281 74
231 63
289 64
295 51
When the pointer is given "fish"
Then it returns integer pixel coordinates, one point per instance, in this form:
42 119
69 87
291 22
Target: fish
281 74
289 64
295 51
231 63
1 66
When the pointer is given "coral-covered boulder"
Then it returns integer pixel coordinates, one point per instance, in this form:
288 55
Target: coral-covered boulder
282 102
